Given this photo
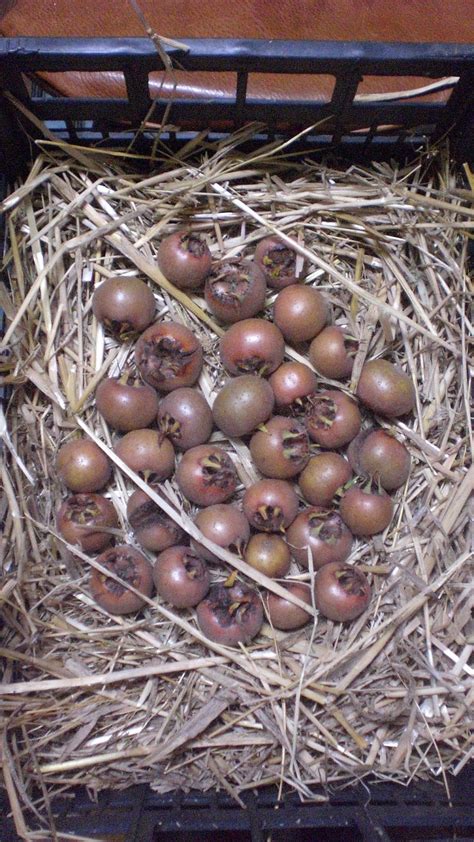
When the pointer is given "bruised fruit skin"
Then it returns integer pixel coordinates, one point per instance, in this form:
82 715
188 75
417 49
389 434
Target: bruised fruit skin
281 448
133 569
230 615
206 475
270 505
341 592
185 417
181 577
285 615
323 532
184 259
125 406
386 389
226 526
277 262
81 519
377 454
269 554
332 352
332 418
366 509
168 355
83 466
235 291
125 306
252 346
146 452
324 474
152 528
291 383
300 312
242 404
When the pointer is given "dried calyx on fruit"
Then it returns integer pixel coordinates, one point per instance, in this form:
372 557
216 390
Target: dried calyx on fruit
252 346
147 452
125 306
132 568
235 290
341 592
168 355
184 259
366 508
332 418
82 519
230 615
321 532
225 526
280 448
270 505
325 475
293 383
181 577
125 403
206 475
185 417
278 262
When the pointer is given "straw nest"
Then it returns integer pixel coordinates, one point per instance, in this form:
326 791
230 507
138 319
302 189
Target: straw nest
93 699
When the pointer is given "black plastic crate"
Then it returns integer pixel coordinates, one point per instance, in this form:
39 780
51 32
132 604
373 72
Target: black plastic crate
343 128
346 125
364 813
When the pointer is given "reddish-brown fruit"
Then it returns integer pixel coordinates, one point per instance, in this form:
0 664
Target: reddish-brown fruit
285 615
252 346
341 592
386 389
206 475
270 505
181 577
366 509
82 518
322 532
230 615
242 404
152 528
269 554
291 383
125 306
184 259
277 262
235 291
300 312
133 569
83 466
168 355
332 418
332 352
125 406
281 448
226 526
377 454
147 452
324 474
185 417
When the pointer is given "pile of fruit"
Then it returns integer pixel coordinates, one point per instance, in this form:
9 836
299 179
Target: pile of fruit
326 467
